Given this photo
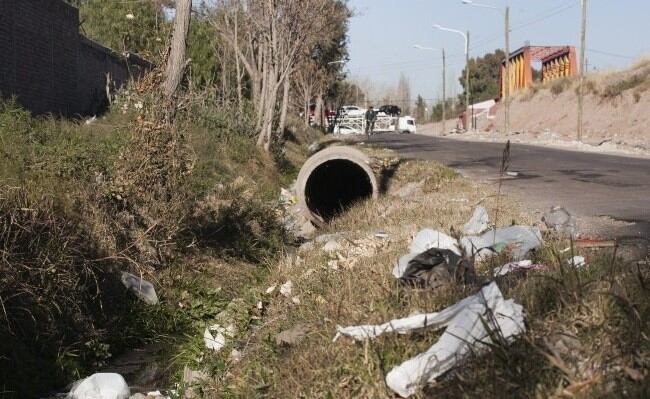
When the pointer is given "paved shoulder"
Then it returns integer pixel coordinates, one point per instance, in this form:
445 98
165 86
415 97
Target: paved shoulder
586 183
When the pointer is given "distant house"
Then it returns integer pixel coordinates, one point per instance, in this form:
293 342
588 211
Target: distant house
49 66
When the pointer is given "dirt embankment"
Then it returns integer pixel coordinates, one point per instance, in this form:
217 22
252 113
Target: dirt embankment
616 116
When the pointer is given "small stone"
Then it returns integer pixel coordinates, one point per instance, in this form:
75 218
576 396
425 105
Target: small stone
332 246
292 336
193 376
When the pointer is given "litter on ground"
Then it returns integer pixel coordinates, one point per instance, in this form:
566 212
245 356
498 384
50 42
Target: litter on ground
422 242
218 340
517 266
470 325
560 220
100 386
286 288
517 239
436 267
141 288
479 222
577 261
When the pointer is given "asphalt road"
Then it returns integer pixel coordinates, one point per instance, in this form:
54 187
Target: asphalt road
589 185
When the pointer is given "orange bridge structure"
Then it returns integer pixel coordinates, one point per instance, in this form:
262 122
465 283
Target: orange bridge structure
557 62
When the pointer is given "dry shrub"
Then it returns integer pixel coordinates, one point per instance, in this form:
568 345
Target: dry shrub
51 293
147 199
558 86
233 222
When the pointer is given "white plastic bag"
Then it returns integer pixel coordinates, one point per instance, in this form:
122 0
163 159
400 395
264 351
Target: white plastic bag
101 386
479 222
519 239
469 327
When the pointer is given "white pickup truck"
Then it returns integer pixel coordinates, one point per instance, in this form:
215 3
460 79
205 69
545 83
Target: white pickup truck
406 124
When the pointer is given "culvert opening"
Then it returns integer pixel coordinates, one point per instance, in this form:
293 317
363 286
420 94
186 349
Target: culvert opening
334 186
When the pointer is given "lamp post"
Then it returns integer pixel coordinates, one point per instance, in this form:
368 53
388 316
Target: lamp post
466 37
506 89
583 70
444 83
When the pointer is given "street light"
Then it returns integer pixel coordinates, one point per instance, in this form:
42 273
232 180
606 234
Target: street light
466 37
444 83
506 90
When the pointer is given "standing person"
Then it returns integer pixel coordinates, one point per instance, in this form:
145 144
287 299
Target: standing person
371 118
368 120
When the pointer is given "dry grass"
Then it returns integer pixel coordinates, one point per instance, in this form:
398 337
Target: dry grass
602 310
362 290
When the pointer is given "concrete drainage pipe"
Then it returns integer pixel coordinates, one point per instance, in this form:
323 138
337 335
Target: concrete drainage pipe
332 180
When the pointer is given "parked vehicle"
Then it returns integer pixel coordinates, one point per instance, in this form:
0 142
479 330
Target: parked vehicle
391 110
406 124
351 110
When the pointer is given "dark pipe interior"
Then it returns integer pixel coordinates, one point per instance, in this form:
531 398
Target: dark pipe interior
335 185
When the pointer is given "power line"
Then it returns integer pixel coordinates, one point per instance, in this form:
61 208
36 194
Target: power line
627 57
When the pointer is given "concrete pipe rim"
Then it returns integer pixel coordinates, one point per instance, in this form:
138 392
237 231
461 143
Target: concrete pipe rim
330 154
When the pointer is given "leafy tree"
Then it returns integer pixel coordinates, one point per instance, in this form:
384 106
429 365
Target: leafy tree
201 49
436 110
138 27
420 109
484 77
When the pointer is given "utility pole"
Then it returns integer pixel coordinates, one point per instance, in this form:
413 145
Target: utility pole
583 31
444 92
467 80
506 89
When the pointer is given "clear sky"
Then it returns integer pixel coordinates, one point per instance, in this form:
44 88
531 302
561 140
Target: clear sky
383 32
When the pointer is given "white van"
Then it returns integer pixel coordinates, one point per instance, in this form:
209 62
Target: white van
406 124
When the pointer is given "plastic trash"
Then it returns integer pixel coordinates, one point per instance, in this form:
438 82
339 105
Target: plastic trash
470 324
516 266
214 341
101 386
519 239
479 222
577 261
560 220
286 288
423 241
140 287
437 267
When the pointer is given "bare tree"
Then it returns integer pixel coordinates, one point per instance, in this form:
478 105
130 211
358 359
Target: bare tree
277 33
176 60
404 94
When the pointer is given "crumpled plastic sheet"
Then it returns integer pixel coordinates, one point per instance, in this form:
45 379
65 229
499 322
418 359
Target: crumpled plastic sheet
469 327
100 386
519 239
140 287
479 222
516 266
423 241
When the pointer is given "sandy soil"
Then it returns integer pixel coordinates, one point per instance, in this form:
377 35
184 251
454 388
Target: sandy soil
612 124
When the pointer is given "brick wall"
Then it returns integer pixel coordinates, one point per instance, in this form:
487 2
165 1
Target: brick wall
49 66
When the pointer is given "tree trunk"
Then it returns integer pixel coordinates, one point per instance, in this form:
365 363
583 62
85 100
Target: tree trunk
176 61
237 66
318 112
285 105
